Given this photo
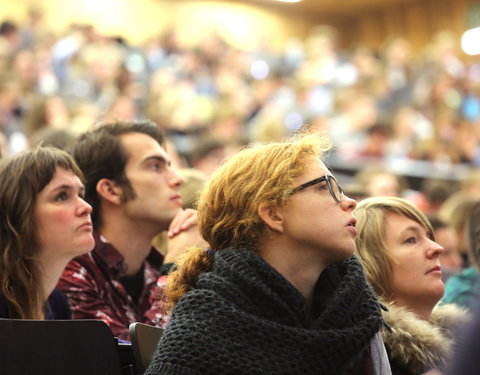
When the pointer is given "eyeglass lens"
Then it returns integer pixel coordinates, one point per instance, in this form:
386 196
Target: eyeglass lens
335 189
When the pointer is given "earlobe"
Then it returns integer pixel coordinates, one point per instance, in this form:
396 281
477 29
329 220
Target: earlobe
109 191
272 216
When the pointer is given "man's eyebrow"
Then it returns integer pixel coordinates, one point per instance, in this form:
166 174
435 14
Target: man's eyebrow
159 158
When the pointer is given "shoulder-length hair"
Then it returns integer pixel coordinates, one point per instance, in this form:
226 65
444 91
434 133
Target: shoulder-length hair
371 247
22 177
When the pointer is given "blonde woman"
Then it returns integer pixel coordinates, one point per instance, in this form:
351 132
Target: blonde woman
401 261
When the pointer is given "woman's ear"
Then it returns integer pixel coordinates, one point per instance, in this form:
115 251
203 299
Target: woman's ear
110 191
272 216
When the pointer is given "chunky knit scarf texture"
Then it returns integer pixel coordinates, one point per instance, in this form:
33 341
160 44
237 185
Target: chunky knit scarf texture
243 317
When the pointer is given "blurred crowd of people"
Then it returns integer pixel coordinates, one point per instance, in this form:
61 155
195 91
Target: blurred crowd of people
388 103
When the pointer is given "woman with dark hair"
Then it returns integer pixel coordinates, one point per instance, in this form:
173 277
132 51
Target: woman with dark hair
278 290
44 223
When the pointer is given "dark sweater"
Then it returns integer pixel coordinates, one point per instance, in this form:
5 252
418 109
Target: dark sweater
244 317
56 307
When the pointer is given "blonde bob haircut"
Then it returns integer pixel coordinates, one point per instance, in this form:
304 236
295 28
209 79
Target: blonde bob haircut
371 217
228 205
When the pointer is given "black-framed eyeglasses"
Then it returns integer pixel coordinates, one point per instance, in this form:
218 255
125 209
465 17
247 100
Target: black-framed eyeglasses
334 188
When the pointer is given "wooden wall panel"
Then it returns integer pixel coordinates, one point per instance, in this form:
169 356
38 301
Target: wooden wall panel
394 19
418 21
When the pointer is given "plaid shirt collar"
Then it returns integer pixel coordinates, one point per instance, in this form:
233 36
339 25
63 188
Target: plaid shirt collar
114 262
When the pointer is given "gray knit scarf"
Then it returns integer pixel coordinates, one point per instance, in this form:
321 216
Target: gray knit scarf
243 317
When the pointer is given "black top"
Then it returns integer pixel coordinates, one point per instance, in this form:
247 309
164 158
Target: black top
134 284
56 307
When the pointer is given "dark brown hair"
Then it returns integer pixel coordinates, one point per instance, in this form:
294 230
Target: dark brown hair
22 177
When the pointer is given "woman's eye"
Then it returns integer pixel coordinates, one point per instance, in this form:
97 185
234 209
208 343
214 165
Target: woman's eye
155 166
411 240
323 186
60 197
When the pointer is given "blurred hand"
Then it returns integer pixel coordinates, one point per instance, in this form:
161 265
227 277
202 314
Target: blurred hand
433 372
183 221
182 235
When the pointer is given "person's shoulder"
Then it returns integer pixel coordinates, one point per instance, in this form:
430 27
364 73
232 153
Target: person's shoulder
463 290
462 279
85 260
57 296
197 302
450 317
470 272
398 369
58 305
80 270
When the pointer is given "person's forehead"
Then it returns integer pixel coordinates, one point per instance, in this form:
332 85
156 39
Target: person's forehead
313 164
140 145
63 177
394 219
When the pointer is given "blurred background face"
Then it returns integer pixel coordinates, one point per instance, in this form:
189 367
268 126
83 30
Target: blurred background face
447 238
3 145
383 185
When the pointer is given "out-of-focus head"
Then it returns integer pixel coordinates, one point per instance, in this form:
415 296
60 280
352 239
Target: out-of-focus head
3 145
379 182
446 236
470 185
456 211
9 92
436 192
208 155
474 235
190 190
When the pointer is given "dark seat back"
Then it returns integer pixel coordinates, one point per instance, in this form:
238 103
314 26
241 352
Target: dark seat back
144 339
57 347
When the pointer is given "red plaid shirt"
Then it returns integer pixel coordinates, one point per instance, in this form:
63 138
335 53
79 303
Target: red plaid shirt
91 283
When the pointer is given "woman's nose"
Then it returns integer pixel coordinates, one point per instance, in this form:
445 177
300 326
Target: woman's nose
348 203
435 249
85 208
